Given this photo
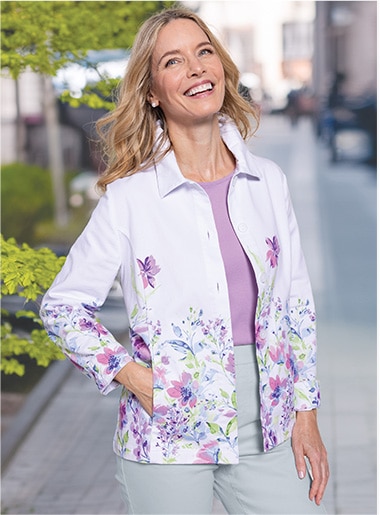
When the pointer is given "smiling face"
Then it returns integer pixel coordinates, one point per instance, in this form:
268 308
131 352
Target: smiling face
187 74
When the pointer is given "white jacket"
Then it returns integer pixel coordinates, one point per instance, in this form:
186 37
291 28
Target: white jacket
156 230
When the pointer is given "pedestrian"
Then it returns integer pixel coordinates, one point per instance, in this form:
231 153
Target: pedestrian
219 392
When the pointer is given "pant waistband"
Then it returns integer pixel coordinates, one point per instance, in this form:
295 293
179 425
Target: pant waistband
245 354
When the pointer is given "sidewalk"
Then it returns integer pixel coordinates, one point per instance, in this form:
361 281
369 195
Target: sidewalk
335 206
65 464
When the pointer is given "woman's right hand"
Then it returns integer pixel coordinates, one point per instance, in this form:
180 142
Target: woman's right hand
138 380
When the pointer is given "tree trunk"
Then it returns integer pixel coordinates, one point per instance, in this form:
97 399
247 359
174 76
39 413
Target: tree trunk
20 128
56 165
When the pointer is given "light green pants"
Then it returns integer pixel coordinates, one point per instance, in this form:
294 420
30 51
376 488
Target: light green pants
261 482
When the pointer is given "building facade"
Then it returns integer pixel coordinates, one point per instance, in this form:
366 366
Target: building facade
278 46
345 45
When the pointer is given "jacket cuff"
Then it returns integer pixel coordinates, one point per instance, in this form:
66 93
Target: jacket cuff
306 395
106 383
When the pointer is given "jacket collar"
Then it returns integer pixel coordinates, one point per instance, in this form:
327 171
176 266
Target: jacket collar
169 176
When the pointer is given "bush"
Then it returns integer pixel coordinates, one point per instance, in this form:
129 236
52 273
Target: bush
27 273
26 200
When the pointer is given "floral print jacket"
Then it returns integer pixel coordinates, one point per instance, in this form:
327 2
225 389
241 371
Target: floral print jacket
156 231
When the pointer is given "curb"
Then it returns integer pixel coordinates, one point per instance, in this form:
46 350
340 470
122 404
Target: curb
34 405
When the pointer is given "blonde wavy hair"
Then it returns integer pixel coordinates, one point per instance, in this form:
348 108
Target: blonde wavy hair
128 133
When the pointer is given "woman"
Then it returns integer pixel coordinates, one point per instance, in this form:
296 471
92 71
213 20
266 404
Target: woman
219 394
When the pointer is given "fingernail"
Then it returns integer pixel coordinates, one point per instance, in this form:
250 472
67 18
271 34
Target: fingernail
301 475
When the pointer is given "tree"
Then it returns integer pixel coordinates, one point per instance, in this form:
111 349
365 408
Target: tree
45 36
28 273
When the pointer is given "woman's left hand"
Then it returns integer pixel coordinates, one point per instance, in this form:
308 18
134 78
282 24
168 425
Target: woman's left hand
307 441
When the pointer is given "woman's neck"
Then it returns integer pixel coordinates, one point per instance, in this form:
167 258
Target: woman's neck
201 153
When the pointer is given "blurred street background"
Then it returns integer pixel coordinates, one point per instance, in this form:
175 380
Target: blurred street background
312 68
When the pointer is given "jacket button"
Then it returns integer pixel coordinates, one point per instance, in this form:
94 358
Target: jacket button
242 227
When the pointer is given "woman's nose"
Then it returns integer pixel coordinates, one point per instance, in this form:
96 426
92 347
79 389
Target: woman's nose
195 66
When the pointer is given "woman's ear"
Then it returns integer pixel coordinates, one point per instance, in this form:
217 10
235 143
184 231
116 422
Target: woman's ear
152 100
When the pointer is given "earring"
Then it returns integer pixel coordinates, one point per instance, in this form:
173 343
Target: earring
153 104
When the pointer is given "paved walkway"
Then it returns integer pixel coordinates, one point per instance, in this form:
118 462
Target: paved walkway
64 463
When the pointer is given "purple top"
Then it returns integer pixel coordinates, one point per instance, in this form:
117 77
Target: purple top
241 280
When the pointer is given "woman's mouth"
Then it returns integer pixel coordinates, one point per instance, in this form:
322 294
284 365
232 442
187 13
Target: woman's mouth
207 86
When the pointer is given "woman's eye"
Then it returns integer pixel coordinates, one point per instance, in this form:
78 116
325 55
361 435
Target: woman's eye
206 51
172 61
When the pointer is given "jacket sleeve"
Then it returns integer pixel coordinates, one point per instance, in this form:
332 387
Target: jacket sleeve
301 320
69 307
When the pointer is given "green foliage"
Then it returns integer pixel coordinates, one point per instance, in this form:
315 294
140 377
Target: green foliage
28 273
26 199
99 96
45 36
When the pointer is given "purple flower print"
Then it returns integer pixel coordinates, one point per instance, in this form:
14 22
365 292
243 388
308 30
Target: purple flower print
278 388
141 349
90 325
172 426
230 367
140 431
184 390
273 252
160 374
277 354
165 360
122 415
160 413
209 453
291 364
148 270
272 439
110 358
260 337
90 309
